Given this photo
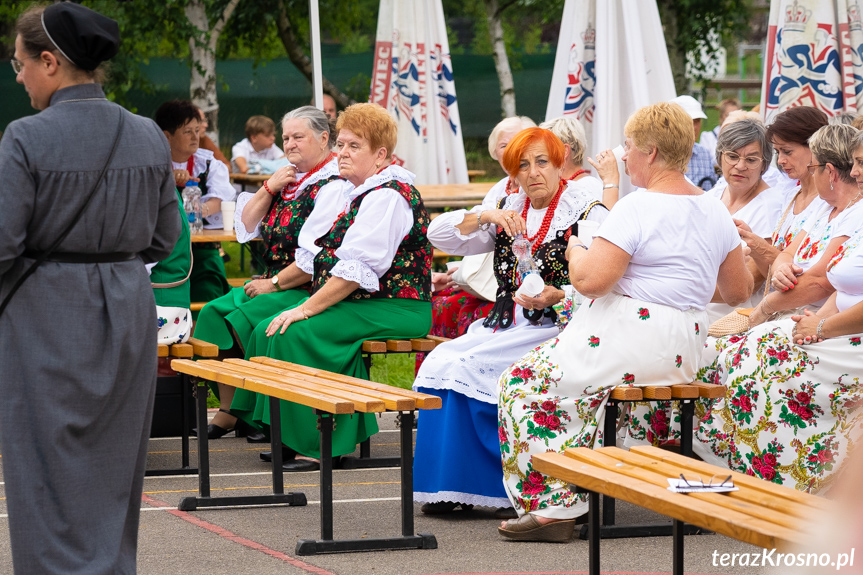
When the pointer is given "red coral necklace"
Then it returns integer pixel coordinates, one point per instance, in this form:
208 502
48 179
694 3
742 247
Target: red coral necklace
546 219
290 190
576 174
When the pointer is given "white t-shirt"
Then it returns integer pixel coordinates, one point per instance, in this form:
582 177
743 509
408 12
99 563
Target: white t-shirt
761 214
677 244
244 149
845 271
218 183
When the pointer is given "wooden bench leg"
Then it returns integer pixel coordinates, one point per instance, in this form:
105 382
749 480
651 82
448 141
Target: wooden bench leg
184 469
678 530
609 439
407 541
204 499
687 414
593 532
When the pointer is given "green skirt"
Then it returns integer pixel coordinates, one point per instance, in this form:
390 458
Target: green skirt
207 281
236 315
332 341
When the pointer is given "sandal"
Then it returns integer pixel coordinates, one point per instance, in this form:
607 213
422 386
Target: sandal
527 528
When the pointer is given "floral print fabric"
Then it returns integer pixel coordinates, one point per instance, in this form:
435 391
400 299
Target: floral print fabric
554 397
789 415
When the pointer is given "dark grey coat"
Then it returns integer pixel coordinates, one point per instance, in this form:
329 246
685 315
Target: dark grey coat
78 341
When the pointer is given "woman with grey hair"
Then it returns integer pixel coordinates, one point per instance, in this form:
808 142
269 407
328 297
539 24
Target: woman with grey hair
744 153
790 413
292 209
570 131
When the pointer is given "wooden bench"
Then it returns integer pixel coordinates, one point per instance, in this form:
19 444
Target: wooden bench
328 394
760 513
193 347
686 395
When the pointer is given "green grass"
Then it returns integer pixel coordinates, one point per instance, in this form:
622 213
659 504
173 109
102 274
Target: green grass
396 369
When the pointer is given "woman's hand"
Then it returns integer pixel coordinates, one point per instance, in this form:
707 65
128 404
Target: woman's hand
606 167
509 220
806 328
785 276
281 322
550 295
183 176
442 281
258 287
281 178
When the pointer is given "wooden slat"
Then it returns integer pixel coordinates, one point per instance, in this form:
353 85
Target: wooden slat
197 305
362 402
422 344
162 350
372 346
399 345
657 473
739 478
438 339
262 385
684 391
182 350
679 506
709 390
238 282
656 392
203 348
791 511
390 400
626 393
423 400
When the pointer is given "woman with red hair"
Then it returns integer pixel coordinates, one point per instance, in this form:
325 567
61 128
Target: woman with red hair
464 372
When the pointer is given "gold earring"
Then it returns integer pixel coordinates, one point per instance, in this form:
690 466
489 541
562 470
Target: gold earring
378 165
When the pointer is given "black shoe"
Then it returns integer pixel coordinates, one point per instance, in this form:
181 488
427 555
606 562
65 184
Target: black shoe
257 437
215 432
441 507
287 454
301 465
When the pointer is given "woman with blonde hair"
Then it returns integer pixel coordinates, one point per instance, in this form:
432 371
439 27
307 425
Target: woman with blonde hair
371 280
650 271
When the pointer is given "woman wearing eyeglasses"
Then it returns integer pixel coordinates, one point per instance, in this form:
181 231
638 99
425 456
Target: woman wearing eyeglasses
744 152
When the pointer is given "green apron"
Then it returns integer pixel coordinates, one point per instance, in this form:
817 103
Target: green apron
170 277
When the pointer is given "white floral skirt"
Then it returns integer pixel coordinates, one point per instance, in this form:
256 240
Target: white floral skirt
555 396
790 414
174 324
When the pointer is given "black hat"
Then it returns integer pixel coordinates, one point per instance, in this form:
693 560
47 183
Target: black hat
84 37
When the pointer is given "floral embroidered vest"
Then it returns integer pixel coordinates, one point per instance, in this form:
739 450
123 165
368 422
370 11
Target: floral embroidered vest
280 228
409 275
553 267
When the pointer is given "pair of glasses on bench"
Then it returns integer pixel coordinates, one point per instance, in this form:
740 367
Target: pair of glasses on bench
718 483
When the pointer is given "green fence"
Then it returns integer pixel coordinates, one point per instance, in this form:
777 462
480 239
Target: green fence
276 86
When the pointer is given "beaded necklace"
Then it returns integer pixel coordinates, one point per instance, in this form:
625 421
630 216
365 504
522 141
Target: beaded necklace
510 188
576 174
546 219
289 191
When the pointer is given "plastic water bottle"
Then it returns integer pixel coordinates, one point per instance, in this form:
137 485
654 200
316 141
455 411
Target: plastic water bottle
526 264
193 207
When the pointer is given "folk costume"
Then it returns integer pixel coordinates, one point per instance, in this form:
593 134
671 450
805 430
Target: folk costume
648 331
790 414
464 372
170 281
298 216
208 280
78 360
379 241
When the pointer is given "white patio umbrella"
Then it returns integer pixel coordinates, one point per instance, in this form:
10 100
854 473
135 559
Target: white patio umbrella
813 57
412 78
611 60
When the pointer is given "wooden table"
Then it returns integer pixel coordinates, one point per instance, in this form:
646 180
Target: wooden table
760 513
249 179
205 236
474 174
454 195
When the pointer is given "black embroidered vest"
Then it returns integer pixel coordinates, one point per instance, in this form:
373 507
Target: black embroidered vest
280 228
409 275
551 262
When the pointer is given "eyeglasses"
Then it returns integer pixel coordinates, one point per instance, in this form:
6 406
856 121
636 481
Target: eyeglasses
18 65
810 166
748 161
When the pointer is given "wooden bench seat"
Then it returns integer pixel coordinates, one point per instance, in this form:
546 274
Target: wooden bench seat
329 394
761 513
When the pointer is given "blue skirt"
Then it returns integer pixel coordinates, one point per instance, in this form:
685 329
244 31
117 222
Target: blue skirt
458 453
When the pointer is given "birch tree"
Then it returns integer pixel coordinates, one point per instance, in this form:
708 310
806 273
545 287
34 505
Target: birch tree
501 60
202 50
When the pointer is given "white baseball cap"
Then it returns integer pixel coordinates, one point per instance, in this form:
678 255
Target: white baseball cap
691 106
